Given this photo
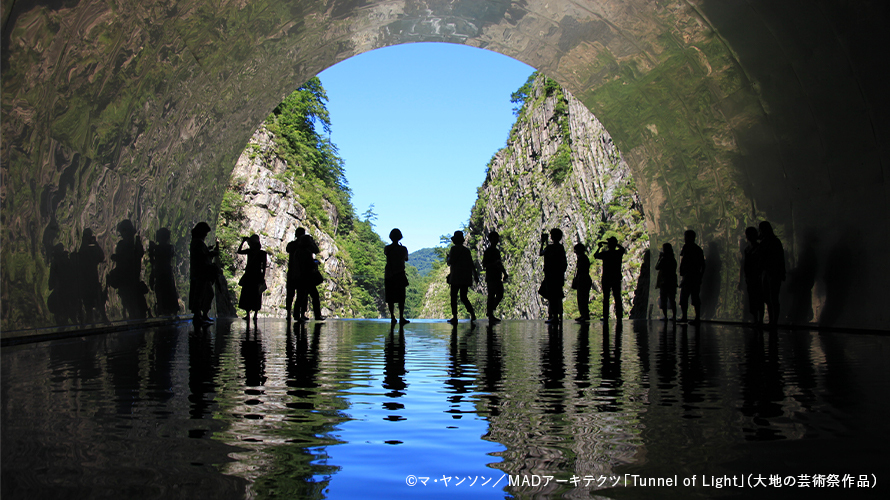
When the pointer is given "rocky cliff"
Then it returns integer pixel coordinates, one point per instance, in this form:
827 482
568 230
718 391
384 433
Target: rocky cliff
561 169
266 203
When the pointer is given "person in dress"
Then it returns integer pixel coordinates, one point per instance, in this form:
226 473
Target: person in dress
253 282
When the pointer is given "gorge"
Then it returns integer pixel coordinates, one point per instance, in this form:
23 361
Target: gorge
560 168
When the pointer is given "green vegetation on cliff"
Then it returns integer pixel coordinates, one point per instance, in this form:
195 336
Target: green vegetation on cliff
314 175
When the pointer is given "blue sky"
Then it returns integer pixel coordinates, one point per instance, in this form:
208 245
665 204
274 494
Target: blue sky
416 125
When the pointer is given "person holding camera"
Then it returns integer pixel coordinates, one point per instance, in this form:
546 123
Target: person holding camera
555 265
611 281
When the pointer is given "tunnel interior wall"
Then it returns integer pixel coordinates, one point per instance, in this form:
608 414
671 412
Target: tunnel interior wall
728 113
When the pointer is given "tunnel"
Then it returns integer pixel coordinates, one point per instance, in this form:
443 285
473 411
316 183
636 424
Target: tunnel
727 112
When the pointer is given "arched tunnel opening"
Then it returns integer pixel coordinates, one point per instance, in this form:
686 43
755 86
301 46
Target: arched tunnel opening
120 119
726 114
434 149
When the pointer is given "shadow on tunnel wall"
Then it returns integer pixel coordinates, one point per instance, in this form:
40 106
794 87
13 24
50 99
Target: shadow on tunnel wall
802 280
711 280
839 280
639 308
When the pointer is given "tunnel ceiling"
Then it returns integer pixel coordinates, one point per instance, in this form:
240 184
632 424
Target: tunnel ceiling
727 112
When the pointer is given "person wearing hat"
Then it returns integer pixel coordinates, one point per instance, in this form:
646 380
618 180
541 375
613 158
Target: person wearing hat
611 257
202 272
395 281
253 283
463 274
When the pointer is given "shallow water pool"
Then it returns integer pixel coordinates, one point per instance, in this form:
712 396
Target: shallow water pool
355 409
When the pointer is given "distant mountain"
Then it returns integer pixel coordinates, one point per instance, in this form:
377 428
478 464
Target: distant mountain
423 260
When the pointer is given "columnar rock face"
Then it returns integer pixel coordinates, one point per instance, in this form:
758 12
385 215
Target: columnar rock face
272 210
560 169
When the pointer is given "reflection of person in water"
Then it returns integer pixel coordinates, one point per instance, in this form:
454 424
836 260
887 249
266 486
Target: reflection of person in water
692 267
162 280
582 282
395 281
666 281
772 261
93 297
463 274
555 265
202 274
127 273
611 257
495 275
753 271
253 282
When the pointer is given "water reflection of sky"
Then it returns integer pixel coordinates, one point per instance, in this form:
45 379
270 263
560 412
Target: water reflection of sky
350 409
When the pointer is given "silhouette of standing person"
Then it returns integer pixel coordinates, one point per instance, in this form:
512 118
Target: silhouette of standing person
127 273
309 278
666 281
611 281
395 281
293 272
202 274
495 275
463 274
772 261
253 282
162 280
89 256
555 265
753 270
582 282
692 268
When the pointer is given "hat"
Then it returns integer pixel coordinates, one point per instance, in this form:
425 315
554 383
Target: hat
458 237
